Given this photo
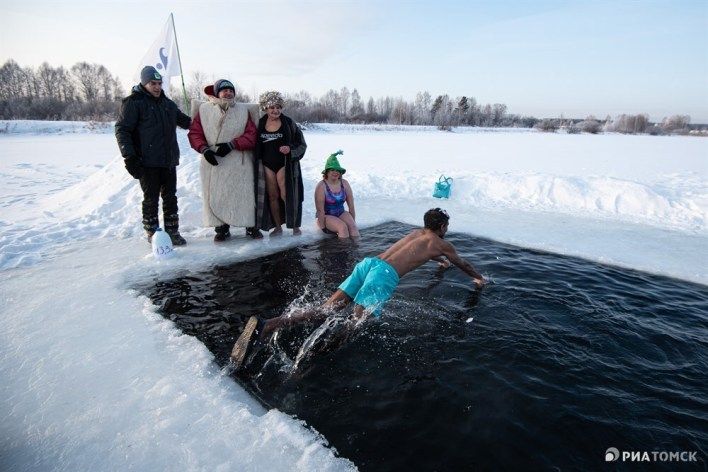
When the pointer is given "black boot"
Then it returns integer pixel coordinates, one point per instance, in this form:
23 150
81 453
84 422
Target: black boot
254 233
222 233
150 224
177 239
172 229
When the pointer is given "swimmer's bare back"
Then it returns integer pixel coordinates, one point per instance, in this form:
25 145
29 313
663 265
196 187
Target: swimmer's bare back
420 246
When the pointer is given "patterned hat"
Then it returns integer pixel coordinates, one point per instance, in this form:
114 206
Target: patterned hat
271 98
218 86
333 163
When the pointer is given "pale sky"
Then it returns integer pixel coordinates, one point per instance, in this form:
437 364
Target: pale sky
543 58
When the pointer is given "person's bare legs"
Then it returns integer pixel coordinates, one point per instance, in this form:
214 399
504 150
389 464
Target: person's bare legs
336 302
336 225
280 177
358 316
359 312
273 199
347 218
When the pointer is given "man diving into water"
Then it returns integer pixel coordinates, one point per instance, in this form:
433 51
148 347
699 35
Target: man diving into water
371 283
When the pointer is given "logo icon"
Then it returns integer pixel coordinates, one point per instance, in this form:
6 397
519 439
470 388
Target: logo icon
163 59
612 454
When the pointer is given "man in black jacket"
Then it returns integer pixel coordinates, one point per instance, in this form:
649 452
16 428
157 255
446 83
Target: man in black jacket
147 139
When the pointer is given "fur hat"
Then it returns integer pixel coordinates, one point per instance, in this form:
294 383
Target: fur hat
218 86
333 163
148 74
270 98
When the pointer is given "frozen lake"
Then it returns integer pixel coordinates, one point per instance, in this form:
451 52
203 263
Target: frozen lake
94 379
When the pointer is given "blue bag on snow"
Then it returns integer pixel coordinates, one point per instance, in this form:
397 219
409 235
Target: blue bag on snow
443 187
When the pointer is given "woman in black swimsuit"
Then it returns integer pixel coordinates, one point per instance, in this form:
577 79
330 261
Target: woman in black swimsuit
280 145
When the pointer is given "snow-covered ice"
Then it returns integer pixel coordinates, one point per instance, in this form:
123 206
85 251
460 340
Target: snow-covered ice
94 379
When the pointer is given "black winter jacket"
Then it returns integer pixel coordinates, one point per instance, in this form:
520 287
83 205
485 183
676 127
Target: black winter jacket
146 129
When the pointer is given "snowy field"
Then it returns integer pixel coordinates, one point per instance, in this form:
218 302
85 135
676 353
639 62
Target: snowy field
94 379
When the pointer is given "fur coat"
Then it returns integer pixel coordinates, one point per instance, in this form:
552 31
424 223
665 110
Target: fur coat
228 192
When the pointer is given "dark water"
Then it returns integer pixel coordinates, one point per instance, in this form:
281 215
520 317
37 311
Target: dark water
563 359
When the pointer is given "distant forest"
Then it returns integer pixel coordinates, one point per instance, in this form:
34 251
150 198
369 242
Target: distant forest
89 92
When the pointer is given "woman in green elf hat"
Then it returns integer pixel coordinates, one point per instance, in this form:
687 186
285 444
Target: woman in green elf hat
330 195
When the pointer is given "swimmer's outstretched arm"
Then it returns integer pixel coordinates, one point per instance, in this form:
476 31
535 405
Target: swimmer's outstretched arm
449 251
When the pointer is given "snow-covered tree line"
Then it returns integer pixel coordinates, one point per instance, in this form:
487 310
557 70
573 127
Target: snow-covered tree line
625 124
345 106
90 92
83 92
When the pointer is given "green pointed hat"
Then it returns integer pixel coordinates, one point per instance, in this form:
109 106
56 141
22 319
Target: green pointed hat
333 163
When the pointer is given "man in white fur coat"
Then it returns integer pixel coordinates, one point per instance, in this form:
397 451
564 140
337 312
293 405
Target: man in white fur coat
224 132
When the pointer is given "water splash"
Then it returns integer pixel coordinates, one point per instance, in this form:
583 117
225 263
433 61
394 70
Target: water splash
333 333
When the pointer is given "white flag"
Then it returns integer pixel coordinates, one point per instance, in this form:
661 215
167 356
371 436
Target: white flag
162 55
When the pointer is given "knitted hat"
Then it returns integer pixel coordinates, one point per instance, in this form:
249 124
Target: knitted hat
271 98
333 164
149 73
218 86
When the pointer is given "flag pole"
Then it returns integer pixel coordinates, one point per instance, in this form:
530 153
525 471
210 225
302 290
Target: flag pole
179 59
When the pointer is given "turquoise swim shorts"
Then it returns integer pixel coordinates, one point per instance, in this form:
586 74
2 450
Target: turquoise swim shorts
371 284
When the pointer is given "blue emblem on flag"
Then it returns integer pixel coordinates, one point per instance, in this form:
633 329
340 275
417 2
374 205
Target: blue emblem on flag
163 59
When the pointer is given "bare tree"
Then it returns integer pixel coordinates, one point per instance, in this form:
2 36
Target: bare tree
12 81
384 106
299 105
676 123
195 85
401 113
421 108
344 96
47 77
106 84
487 117
85 75
589 125
357 108
332 103
371 106
498 112
628 124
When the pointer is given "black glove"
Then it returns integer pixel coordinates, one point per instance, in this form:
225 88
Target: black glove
223 149
134 167
210 157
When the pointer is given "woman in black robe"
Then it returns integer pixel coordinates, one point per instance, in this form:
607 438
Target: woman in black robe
280 145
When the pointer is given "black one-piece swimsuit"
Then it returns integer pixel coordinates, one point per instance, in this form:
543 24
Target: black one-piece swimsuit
271 141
